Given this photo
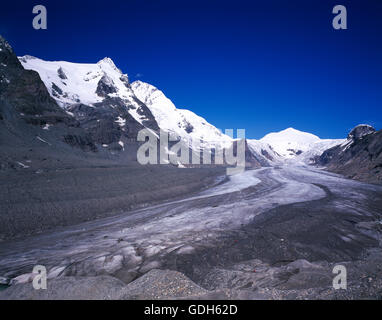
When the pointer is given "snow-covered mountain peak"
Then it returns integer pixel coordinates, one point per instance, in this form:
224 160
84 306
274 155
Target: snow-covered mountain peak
298 145
292 132
290 129
290 142
181 122
108 64
85 83
90 84
27 57
151 95
106 60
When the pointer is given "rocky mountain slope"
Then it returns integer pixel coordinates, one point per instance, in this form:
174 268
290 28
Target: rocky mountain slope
27 114
358 157
183 123
99 97
112 110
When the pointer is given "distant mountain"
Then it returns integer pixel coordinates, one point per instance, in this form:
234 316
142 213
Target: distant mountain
297 145
358 157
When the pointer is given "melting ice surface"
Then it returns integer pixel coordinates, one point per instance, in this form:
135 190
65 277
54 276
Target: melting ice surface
236 183
141 239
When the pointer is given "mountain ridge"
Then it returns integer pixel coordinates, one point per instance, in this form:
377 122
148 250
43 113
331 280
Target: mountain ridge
85 89
111 110
358 157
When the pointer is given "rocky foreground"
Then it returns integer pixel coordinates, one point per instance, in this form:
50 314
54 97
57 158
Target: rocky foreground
296 280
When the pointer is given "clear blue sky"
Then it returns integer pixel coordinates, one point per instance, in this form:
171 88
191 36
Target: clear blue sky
258 65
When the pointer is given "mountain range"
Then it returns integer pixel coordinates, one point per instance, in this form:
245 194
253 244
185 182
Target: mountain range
96 108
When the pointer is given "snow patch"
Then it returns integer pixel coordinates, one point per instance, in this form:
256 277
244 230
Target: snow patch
22 165
42 140
121 122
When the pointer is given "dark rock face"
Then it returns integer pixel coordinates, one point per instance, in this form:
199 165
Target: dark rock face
187 126
124 78
105 86
62 74
24 88
147 117
109 121
359 158
296 152
360 131
26 102
266 154
7 56
252 160
56 90
84 142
